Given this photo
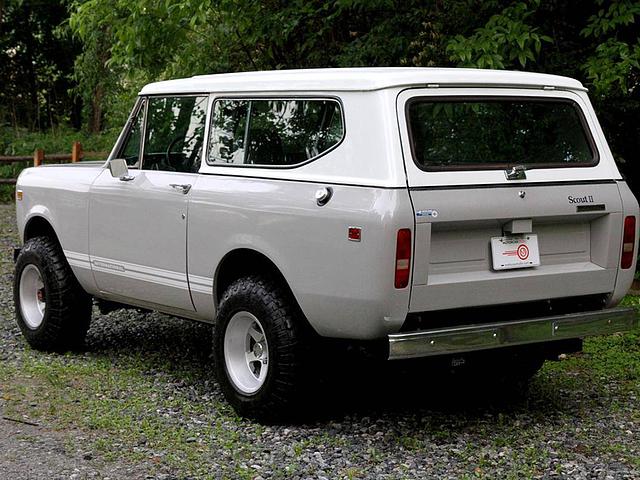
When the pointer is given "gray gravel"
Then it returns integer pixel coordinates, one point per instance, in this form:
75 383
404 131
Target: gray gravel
375 421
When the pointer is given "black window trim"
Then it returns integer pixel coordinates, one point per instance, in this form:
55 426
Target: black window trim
500 166
141 103
267 97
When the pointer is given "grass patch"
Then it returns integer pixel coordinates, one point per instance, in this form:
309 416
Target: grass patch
130 413
155 407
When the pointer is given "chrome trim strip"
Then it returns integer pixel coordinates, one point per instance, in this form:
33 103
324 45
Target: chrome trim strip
468 338
567 183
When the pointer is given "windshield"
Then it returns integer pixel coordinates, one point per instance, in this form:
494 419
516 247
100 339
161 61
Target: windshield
489 133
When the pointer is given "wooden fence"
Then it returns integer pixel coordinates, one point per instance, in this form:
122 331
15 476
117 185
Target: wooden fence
39 158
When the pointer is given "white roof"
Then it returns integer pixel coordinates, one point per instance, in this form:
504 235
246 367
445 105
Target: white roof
357 79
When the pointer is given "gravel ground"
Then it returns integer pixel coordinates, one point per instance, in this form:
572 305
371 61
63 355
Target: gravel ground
140 402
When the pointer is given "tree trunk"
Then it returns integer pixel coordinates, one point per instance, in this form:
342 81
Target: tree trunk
95 122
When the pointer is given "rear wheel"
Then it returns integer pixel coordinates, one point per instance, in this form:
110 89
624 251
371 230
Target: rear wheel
258 349
246 352
52 310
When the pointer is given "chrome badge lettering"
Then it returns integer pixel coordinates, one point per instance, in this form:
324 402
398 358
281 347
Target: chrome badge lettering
585 199
427 213
108 266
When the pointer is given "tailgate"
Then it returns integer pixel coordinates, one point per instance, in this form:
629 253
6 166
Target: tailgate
508 163
579 244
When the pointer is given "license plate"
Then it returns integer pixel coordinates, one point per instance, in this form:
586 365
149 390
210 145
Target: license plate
515 251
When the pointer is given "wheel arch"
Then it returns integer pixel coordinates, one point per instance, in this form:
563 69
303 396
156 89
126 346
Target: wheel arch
39 226
243 262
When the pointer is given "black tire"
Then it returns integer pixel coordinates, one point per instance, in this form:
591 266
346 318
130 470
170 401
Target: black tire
67 311
278 396
523 367
508 369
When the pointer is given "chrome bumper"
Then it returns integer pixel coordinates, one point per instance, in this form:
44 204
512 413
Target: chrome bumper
467 338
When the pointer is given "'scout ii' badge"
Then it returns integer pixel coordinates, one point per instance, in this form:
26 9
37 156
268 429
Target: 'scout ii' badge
427 213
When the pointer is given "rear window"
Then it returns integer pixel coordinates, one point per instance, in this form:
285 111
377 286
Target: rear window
468 134
273 132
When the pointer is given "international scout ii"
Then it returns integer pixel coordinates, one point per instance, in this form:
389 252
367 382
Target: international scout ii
433 212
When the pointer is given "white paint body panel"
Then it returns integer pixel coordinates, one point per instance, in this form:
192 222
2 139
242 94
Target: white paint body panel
344 288
60 195
137 237
129 242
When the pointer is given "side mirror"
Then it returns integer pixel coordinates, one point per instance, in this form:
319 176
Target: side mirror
118 168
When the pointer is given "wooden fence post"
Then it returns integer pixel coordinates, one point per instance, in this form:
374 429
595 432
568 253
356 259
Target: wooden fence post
38 157
76 152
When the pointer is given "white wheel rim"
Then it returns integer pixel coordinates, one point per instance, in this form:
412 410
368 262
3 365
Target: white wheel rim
32 298
246 353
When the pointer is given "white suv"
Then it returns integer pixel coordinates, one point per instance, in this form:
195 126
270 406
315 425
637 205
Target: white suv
423 212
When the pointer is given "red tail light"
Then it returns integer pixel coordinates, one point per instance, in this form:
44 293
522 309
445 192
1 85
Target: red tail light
403 258
628 242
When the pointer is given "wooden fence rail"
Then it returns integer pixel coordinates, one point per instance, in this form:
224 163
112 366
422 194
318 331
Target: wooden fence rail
39 158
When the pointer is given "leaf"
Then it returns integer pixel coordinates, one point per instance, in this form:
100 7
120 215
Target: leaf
522 59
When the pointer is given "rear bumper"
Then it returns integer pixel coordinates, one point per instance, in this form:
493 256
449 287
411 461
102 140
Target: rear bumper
467 338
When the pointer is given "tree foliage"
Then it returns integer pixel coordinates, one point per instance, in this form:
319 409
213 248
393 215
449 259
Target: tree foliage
616 60
119 45
506 40
36 61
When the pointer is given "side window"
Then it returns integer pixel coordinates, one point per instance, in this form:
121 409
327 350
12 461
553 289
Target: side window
273 132
130 150
174 133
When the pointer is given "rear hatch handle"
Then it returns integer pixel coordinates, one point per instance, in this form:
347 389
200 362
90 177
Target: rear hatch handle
517 172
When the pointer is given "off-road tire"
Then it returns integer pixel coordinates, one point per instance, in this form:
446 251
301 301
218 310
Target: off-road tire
278 397
522 368
67 313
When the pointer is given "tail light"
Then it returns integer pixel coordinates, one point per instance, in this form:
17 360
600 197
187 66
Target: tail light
403 258
628 242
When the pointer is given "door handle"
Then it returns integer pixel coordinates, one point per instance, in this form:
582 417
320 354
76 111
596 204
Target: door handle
182 187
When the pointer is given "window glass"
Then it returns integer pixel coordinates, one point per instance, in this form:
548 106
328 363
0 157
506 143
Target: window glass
496 133
175 133
131 149
228 129
273 132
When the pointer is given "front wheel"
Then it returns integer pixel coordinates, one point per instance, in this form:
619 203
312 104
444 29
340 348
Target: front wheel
257 347
52 310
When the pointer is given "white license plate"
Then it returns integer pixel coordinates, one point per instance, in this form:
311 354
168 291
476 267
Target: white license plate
515 251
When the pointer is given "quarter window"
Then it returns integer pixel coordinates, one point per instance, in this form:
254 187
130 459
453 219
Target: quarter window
273 132
174 133
494 133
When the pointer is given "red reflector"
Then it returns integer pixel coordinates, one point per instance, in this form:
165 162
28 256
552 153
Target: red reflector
355 234
628 242
403 258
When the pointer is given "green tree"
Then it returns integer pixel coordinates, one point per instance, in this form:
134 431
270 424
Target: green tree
36 64
616 60
147 40
613 68
508 39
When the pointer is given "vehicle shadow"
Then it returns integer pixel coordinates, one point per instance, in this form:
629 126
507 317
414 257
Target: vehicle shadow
340 387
